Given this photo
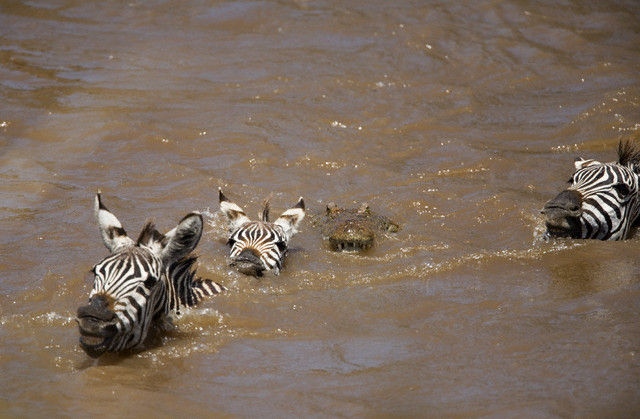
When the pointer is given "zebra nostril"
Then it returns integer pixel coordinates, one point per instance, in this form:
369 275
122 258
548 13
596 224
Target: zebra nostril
568 200
93 313
99 301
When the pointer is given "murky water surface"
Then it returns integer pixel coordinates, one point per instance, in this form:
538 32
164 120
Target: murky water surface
457 120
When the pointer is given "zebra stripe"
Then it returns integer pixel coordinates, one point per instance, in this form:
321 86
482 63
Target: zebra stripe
607 213
189 290
258 246
266 239
602 201
142 291
140 282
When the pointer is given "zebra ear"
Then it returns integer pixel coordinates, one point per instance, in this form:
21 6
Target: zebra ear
291 219
233 212
581 163
113 235
181 241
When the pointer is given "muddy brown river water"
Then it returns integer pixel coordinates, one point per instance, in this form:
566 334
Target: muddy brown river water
458 120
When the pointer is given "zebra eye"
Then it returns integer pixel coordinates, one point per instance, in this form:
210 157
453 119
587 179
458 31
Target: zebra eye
150 281
570 181
622 189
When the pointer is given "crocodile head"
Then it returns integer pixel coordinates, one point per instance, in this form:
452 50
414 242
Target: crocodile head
353 229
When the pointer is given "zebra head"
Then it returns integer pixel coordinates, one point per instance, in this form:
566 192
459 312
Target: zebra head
131 285
258 246
602 200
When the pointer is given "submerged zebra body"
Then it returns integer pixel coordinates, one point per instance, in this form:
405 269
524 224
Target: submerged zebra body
258 246
602 200
140 282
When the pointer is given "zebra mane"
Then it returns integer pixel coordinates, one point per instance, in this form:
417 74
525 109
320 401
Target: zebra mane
629 154
149 234
266 207
188 289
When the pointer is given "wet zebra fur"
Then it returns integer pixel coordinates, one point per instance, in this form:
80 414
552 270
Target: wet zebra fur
189 289
140 282
259 246
602 200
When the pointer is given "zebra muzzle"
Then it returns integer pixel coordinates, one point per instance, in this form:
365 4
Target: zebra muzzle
97 325
248 262
562 213
95 337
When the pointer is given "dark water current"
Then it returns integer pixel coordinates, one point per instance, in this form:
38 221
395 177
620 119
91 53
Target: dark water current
456 119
